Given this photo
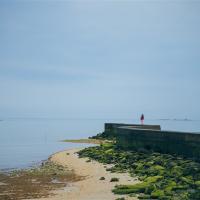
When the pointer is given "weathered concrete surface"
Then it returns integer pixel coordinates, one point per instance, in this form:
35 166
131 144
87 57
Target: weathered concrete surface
110 129
181 143
150 137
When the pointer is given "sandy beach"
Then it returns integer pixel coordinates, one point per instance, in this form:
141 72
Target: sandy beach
90 188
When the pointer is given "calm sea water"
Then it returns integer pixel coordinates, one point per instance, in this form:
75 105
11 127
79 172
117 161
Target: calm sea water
26 142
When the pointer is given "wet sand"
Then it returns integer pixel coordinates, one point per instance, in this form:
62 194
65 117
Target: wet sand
35 182
91 187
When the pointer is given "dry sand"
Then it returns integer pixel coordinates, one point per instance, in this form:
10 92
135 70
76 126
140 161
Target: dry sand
91 188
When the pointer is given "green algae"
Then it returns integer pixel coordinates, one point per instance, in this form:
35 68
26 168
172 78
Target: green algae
114 179
36 182
163 176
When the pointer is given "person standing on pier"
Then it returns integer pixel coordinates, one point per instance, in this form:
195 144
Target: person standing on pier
142 119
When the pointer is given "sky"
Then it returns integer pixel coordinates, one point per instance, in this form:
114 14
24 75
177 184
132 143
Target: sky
100 59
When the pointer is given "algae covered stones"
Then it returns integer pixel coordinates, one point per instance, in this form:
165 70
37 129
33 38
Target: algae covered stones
114 179
35 182
162 176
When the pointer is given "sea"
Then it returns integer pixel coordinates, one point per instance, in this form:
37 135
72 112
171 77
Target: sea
26 142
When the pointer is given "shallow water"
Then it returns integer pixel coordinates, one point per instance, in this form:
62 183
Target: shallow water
25 142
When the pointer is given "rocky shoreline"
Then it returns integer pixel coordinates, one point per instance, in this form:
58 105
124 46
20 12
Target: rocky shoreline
35 182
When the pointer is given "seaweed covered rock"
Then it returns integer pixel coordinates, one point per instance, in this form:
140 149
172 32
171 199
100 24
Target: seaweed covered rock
162 176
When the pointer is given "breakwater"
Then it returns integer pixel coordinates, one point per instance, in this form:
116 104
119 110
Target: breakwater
151 137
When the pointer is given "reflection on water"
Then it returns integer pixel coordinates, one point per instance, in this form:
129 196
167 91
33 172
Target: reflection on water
24 142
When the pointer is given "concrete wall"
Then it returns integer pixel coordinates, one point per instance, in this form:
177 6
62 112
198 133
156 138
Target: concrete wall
185 144
110 129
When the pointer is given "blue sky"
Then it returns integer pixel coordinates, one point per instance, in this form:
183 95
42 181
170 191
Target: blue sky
100 59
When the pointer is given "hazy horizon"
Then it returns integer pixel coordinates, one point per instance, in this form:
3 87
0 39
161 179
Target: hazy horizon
100 59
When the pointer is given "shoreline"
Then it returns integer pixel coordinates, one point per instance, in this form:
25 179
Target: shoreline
37 182
89 178
85 184
90 187
36 163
